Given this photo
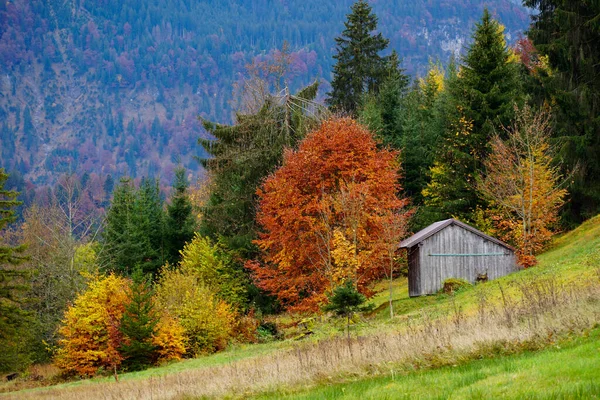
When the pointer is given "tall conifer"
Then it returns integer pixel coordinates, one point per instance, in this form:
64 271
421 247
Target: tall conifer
13 320
481 100
568 33
359 68
180 223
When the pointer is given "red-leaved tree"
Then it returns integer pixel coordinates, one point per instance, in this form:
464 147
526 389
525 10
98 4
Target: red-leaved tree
324 213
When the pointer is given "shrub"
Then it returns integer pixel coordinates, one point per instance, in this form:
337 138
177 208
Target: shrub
452 285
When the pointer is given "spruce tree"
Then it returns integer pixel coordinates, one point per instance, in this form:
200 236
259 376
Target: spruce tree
134 229
390 96
138 325
359 68
566 32
242 155
345 301
180 222
13 320
481 100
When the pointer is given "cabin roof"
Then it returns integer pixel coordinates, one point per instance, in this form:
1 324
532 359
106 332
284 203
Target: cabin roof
438 226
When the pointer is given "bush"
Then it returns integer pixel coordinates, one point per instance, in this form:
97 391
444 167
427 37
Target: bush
452 285
208 322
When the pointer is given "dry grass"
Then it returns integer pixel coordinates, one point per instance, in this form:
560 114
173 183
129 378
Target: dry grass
529 315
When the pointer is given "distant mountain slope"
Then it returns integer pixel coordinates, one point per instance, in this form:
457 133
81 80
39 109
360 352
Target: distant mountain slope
114 86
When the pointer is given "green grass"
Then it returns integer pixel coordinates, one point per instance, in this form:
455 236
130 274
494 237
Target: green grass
568 370
573 257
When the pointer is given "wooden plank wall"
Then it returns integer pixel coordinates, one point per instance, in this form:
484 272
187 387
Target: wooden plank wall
414 272
456 240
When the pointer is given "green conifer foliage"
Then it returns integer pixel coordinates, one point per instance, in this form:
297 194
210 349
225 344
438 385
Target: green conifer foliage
242 156
345 301
481 99
359 68
134 229
13 320
138 325
568 33
180 222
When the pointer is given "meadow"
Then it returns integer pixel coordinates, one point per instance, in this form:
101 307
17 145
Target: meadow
533 334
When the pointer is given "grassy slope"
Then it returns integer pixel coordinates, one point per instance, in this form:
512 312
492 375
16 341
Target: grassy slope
570 370
572 258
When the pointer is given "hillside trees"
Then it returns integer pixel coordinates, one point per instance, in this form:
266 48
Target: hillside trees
13 319
522 185
133 232
139 233
139 324
208 322
180 222
242 155
322 213
90 333
482 97
100 330
216 268
566 32
359 67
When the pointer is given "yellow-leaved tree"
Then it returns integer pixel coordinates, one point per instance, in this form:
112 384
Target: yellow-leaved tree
523 185
91 335
208 321
215 268
90 331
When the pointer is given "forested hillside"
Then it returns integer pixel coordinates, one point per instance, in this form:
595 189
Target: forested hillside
114 87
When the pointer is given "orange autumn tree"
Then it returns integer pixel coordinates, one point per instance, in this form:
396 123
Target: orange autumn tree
523 186
323 214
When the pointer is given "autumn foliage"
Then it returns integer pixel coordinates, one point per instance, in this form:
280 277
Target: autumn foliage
208 322
323 215
523 186
91 330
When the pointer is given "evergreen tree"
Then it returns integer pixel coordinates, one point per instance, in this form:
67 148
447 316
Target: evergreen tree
390 96
566 32
117 253
13 320
242 156
481 100
359 68
133 234
345 301
180 223
138 325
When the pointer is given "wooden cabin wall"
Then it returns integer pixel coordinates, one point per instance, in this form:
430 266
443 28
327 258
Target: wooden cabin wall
435 267
414 272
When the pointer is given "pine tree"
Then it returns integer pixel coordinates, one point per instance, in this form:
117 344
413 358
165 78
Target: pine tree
138 325
13 320
134 229
180 221
359 68
242 156
345 301
481 100
566 33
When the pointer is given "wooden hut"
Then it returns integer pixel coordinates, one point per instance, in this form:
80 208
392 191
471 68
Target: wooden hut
453 249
